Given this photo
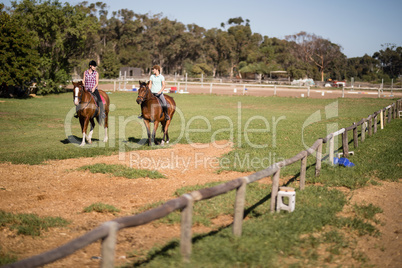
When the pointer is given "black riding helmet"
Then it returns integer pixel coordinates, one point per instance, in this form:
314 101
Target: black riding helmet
93 63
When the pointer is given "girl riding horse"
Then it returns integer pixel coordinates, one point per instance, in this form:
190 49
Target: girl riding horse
153 112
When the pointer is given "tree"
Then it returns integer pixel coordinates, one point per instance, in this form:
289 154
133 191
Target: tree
314 49
362 68
243 42
59 33
18 57
161 37
390 60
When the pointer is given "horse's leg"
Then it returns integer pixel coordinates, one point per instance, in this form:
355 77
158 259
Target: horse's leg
82 120
146 122
105 124
91 131
156 123
84 126
166 132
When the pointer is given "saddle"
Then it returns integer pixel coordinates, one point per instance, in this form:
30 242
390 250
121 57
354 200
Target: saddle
97 110
96 99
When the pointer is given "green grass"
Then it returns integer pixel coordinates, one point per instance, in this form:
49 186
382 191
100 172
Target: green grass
122 171
101 208
30 224
39 129
207 210
273 240
6 258
263 240
376 158
367 211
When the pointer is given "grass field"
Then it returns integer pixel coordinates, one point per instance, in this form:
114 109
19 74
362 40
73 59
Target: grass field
261 128
39 129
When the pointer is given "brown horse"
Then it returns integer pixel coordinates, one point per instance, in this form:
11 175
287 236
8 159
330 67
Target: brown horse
87 110
152 112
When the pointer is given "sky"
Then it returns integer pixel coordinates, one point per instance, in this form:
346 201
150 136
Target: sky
359 26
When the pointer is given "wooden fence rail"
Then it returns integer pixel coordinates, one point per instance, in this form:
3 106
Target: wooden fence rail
107 232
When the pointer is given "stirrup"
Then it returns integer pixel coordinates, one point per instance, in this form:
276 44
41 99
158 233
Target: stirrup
76 115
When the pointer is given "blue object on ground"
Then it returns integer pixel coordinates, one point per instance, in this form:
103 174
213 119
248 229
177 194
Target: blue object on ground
343 161
336 159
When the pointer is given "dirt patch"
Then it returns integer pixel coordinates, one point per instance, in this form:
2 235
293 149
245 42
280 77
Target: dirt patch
386 250
58 189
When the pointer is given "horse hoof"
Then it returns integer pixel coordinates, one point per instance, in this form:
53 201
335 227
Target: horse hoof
162 143
105 139
82 144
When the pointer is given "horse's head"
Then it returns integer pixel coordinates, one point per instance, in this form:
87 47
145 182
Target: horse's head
78 88
143 91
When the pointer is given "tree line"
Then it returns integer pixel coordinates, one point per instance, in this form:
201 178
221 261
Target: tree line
47 41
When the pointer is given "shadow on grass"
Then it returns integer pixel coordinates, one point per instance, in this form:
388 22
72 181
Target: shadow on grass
174 245
74 140
144 142
135 140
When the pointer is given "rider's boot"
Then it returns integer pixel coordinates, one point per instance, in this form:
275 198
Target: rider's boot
165 110
102 114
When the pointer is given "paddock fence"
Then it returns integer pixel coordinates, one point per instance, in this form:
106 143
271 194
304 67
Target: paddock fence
108 231
249 87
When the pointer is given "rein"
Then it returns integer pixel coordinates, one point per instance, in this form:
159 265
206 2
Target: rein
80 99
148 92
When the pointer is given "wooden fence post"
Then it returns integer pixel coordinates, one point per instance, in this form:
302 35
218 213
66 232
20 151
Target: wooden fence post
109 245
186 223
394 111
370 126
345 145
363 130
318 160
239 208
274 191
303 172
331 150
390 114
355 138
375 121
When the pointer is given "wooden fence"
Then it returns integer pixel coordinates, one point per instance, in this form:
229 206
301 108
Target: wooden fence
107 232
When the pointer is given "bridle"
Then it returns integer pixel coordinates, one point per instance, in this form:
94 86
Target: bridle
78 96
143 98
